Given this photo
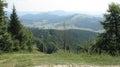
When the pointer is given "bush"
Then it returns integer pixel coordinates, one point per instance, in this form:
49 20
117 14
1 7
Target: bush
81 49
16 46
48 47
51 48
42 47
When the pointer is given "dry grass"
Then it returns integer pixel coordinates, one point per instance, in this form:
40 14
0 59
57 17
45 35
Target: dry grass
33 59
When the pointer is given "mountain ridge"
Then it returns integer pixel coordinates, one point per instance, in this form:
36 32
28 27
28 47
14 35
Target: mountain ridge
59 19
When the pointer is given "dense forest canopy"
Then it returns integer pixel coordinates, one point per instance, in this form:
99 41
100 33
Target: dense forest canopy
73 37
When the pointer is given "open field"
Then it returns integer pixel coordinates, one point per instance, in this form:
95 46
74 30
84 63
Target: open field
37 59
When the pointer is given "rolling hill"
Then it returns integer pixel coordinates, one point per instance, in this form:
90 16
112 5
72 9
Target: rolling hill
59 19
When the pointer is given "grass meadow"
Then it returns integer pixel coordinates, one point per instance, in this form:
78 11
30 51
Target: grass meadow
35 58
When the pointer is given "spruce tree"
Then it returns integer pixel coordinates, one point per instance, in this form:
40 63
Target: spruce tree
15 25
109 41
14 29
5 38
22 37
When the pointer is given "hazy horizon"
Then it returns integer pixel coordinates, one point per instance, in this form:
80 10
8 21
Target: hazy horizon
79 6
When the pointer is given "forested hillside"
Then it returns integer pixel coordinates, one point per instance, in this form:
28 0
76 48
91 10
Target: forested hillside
73 37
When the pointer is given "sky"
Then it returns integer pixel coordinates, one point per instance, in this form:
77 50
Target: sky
83 6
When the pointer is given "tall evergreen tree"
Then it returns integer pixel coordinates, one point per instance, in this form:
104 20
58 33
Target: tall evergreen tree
14 29
109 41
15 25
5 38
22 37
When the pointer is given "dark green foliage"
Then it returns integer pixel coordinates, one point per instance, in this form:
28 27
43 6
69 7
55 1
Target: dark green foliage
109 41
5 38
68 48
16 45
51 47
40 45
73 37
29 41
13 36
48 47
15 29
15 25
22 37
6 43
79 49
84 48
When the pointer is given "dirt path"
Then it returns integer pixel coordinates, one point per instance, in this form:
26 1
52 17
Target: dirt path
73 66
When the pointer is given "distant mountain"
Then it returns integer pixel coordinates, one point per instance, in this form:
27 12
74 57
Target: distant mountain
61 13
59 19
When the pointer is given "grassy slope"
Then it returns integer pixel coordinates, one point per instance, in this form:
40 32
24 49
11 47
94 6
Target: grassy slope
35 59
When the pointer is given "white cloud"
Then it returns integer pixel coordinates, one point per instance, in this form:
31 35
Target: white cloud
93 6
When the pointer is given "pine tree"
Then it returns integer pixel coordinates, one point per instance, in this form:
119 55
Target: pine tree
15 25
109 41
14 29
5 38
21 36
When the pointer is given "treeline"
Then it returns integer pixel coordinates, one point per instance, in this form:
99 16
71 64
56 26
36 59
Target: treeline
13 35
56 39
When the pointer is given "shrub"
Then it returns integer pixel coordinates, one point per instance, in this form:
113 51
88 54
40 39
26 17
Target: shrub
51 48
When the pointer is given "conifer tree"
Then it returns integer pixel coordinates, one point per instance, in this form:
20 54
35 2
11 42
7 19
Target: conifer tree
15 29
21 36
5 38
15 26
109 41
